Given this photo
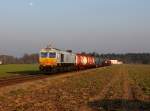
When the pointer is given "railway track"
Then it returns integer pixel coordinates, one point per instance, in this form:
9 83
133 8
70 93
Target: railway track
7 81
20 79
11 80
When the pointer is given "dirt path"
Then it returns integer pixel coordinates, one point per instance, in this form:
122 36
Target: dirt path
127 91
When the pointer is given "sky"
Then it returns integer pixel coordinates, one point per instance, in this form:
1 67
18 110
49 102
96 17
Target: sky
104 26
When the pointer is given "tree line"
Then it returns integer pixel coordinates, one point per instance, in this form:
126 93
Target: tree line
129 58
25 59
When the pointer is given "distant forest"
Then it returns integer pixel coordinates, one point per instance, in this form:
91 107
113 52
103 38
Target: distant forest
26 59
130 58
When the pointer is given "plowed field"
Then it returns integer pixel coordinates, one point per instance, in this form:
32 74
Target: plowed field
113 88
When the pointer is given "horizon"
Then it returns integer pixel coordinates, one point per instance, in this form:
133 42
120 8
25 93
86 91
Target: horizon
129 53
82 26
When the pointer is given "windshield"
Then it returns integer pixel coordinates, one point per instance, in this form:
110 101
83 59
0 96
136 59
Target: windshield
44 54
52 55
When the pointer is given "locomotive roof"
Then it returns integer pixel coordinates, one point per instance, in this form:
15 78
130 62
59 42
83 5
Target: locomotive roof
54 49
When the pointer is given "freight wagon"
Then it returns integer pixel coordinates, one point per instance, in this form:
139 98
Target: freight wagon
106 63
84 61
98 61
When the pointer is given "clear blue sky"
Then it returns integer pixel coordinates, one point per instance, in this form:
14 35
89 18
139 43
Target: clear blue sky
105 26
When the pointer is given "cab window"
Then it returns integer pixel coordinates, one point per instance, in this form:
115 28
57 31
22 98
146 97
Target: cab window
52 54
44 54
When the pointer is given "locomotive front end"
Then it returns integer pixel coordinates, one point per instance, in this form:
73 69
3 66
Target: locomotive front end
47 59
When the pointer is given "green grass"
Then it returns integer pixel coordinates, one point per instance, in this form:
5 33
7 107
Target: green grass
12 69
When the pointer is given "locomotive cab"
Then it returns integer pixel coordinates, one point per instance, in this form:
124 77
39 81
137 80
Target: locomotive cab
47 59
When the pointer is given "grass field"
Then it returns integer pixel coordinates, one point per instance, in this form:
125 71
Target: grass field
11 69
141 75
113 88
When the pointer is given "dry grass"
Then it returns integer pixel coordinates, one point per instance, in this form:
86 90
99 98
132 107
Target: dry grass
141 75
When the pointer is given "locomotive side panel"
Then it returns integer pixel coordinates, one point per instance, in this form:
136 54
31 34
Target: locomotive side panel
66 58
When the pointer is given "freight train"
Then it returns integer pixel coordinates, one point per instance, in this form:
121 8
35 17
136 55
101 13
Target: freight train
55 60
